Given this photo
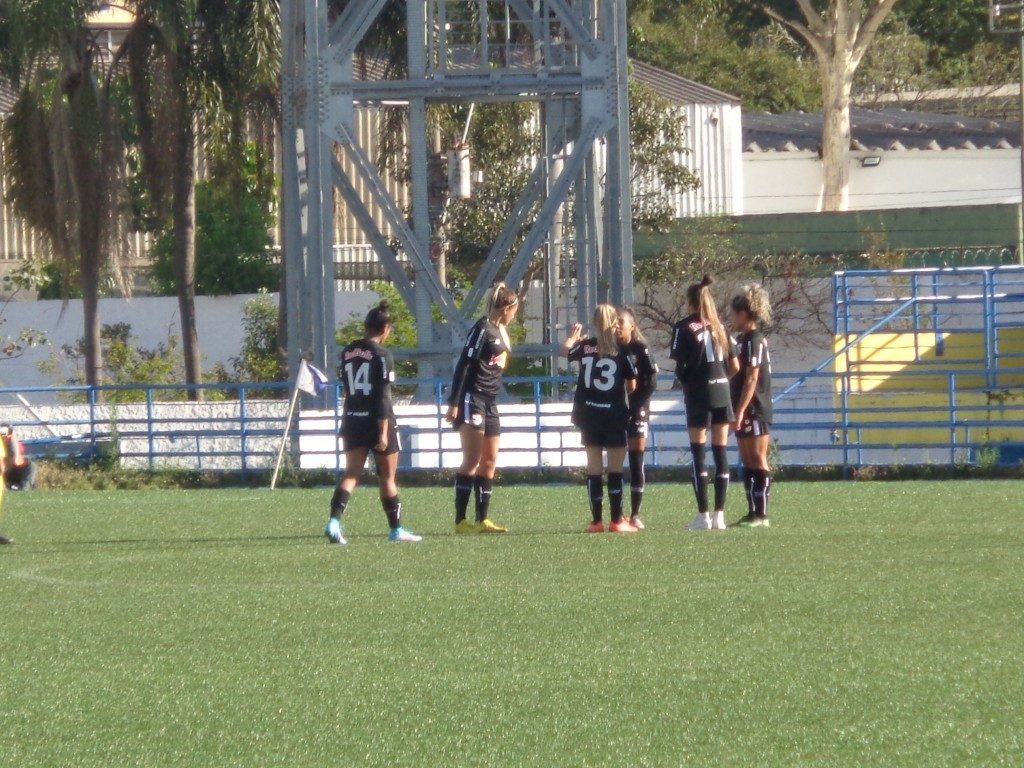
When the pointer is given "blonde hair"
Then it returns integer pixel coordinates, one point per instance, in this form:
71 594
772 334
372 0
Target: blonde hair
501 298
636 335
605 317
753 299
701 300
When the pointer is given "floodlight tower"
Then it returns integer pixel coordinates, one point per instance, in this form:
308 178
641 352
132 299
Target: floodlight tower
1008 19
566 56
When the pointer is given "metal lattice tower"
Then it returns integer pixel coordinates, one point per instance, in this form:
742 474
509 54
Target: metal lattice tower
566 56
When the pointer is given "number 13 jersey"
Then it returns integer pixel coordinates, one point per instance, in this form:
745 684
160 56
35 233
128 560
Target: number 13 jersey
600 400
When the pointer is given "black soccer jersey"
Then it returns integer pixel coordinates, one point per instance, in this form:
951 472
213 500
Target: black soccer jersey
480 365
366 373
753 353
699 367
647 375
600 401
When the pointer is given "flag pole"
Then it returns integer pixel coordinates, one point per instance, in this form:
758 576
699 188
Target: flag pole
284 437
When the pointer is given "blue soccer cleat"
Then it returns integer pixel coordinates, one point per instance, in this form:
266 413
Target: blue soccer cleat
400 534
333 532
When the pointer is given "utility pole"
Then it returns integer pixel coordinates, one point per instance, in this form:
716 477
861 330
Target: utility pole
1008 19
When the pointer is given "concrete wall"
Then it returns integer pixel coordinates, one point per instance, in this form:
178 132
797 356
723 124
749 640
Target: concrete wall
153 320
790 182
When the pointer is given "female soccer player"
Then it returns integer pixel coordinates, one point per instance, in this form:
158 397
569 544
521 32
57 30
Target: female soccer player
472 412
752 399
368 423
600 410
639 402
704 360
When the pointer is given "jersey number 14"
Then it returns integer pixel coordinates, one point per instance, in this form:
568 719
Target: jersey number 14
358 378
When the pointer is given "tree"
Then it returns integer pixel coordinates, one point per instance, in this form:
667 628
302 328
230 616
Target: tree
716 43
839 33
193 62
65 153
232 231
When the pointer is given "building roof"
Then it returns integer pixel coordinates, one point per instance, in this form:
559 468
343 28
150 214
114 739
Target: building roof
884 130
678 89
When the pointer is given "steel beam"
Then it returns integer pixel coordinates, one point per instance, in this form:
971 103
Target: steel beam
395 268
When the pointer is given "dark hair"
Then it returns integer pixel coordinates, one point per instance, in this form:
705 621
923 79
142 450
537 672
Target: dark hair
637 335
378 319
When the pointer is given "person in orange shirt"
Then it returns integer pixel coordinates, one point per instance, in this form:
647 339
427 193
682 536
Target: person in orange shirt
19 471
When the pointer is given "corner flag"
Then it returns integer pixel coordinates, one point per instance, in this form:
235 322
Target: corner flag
310 379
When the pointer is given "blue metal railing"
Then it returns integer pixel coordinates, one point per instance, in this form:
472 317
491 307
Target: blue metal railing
239 426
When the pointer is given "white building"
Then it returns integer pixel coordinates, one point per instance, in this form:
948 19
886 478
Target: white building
714 128
899 159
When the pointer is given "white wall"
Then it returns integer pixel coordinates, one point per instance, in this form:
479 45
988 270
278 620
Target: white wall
153 320
790 182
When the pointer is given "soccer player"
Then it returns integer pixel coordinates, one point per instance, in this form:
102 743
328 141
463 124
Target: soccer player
704 360
471 408
752 399
600 410
368 424
639 407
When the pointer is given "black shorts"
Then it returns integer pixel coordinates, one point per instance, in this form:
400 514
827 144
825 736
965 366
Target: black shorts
604 437
638 425
365 433
480 413
753 427
701 415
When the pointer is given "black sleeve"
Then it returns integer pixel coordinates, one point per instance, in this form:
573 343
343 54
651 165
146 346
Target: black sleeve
675 351
647 378
383 375
576 351
466 359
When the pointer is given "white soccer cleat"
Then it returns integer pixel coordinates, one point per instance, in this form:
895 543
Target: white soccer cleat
402 535
702 522
333 532
719 522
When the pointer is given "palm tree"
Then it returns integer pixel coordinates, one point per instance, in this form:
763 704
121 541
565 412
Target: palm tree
195 63
65 154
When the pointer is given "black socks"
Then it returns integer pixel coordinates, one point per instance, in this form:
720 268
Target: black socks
721 455
338 503
595 490
748 489
760 491
637 481
463 490
393 510
482 486
615 495
700 477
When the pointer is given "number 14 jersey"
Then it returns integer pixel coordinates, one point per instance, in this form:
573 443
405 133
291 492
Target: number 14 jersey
600 399
366 373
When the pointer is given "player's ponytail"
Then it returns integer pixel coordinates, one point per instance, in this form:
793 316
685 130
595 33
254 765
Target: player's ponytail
502 297
378 319
605 317
753 299
703 303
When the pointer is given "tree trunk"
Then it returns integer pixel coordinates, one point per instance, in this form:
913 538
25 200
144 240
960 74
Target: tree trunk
837 82
183 212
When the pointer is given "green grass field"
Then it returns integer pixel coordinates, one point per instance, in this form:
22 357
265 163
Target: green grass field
874 625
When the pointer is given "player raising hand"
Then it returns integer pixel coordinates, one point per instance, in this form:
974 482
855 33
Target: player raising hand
600 410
